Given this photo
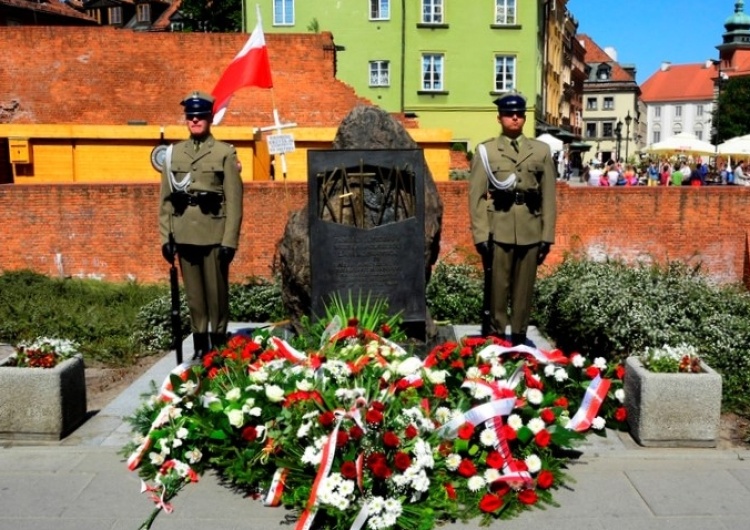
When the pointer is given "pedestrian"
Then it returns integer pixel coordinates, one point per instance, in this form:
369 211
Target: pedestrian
653 174
200 214
666 174
512 211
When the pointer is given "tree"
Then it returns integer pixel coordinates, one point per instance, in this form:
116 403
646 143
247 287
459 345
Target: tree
732 115
212 16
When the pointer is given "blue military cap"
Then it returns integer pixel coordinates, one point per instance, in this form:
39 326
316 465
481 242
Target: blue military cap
511 103
198 104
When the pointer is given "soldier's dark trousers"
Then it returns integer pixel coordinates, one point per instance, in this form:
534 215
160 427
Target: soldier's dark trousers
513 276
206 281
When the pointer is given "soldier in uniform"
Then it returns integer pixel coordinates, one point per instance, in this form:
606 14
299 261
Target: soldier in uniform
512 212
200 214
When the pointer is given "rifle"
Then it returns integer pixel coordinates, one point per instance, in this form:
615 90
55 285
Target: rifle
174 285
486 307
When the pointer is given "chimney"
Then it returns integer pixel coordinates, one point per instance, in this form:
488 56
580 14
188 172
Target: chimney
665 66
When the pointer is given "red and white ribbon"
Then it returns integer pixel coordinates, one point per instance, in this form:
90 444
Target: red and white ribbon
273 497
544 357
592 401
134 460
477 415
166 392
288 352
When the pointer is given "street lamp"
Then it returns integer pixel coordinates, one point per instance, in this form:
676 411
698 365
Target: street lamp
618 135
628 119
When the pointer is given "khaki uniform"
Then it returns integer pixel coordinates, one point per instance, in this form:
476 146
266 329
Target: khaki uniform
518 221
206 218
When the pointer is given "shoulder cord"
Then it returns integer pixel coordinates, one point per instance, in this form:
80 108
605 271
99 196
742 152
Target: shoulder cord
507 184
176 185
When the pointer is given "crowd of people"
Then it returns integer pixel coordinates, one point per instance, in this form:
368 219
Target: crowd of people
666 173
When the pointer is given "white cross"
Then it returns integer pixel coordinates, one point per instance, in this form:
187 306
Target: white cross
277 127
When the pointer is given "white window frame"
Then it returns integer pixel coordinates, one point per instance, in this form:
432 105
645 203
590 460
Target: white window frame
114 14
285 15
380 73
433 12
656 136
596 129
678 111
505 12
505 68
143 12
657 111
433 65
608 103
608 127
594 100
380 9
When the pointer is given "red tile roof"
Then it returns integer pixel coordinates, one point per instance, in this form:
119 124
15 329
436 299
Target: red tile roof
54 7
680 82
595 54
740 64
82 75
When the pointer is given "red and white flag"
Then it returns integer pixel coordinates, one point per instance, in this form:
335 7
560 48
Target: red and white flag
249 68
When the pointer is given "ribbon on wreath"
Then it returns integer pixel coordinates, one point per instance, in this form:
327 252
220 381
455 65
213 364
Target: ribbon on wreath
166 392
157 495
544 357
592 401
273 497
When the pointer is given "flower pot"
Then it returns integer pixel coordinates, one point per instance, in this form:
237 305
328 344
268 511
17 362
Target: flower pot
42 403
672 409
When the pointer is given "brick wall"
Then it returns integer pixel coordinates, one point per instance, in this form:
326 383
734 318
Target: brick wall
109 231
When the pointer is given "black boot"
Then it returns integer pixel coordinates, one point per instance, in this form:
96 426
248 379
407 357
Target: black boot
518 339
218 340
200 345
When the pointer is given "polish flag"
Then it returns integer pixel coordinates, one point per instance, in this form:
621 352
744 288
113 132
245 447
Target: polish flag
249 68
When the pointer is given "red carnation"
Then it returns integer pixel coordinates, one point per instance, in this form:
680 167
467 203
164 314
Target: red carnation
377 405
466 468
542 438
466 351
356 432
249 434
499 488
450 491
391 440
374 416
547 416
620 371
349 470
592 371
621 414
440 391
509 433
381 470
527 497
494 460
342 438
561 402
411 432
385 329
457 364
402 461
490 503
545 479
326 419
466 431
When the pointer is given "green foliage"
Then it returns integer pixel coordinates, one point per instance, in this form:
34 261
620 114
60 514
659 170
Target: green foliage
612 309
256 300
224 16
455 293
732 116
97 315
153 324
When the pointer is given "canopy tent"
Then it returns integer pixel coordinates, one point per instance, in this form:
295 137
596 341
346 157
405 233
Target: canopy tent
554 144
682 143
739 145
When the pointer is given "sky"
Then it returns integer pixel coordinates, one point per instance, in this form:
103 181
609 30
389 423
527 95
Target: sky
647 33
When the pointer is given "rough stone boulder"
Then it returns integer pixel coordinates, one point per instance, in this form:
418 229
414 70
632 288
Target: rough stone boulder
365 127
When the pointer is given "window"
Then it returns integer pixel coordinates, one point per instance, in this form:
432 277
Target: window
95 13
609 103
143 12
608 129
115 15
591 130
678 111
432 11
699 134
380 9
505 12
283 12
432 71
505 73
677 128
657 137
603 72
657 112
591 103
699 110
380 73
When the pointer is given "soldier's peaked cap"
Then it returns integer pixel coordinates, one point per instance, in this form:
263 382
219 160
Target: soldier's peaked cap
198 104
511 103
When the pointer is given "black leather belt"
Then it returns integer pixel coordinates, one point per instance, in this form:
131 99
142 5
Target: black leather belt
516 197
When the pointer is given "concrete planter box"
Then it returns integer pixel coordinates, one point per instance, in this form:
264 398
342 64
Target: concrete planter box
42 403
672 410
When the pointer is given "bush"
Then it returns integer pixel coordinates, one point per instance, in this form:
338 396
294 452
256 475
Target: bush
455 293
612 309
256 300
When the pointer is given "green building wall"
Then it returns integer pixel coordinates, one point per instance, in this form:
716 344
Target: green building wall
467 39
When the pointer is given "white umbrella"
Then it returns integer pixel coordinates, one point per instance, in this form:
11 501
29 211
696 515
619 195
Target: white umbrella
683 143
555 144
739 145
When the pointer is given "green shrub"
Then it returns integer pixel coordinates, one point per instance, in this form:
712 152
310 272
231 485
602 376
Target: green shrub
256 300
455 293
612 309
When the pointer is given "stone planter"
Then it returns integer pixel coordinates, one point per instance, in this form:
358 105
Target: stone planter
42 403
672 410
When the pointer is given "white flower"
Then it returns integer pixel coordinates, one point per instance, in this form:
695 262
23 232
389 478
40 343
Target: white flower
194 456
274 393
601 363
304 385
561 375
409 366
549 370
473 373
442 414
311 456
534 463
475 483
258 376
188 387
598 423
234 394
498 371
182 432
436 377
236 417
176 442
254 411
563 419
392 507
534 395
515 422
453 461
304 430
577 360
479 392
620 395
491 475
209 397
488 437
157 459
536 424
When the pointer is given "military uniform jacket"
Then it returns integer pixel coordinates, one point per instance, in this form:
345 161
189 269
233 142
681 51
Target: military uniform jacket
213 168
497 212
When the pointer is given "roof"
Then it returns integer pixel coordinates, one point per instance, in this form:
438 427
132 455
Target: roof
681 82
596 55
111 76
49 7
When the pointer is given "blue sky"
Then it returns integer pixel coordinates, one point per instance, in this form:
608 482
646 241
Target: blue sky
648 32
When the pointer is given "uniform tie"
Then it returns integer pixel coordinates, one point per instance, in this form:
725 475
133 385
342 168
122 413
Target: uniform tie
514 144
196 145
